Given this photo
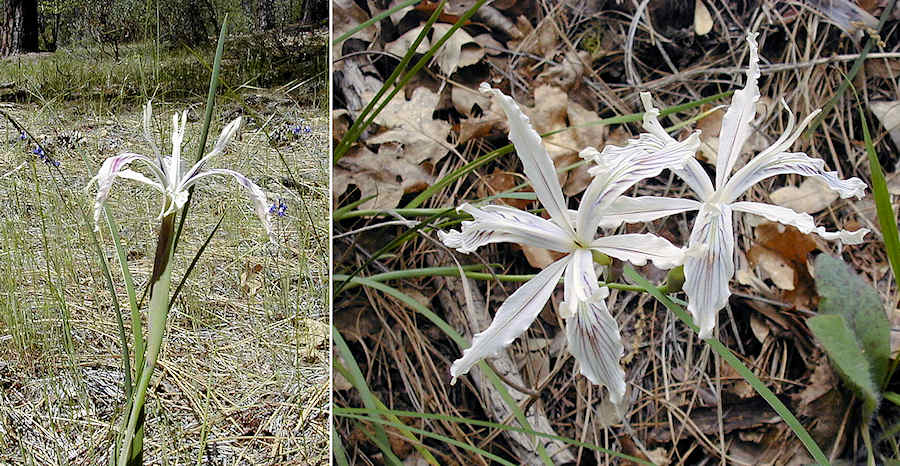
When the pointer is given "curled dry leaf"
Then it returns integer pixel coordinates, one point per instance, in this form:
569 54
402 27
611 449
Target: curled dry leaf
586 135
709 127
386 175
810 197
409 123
250 280
465 99
549 114
781 252
569 72
846 14
776 267
501 181
358 87
496 20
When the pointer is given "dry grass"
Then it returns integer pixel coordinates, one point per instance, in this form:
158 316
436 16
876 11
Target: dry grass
243 377
675 382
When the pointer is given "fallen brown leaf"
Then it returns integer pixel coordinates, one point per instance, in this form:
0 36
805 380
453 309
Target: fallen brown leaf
387 175
410 124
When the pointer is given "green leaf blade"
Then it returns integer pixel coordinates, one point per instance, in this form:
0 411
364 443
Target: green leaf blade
845 293
842 347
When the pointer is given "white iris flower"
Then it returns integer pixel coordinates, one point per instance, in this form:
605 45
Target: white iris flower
593 334
168 173
709 261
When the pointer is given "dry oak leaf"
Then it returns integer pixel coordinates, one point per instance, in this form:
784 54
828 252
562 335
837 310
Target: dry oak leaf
348 15
457 52
585 136
888 113
409 123
569 72
781 252
387 175
810 197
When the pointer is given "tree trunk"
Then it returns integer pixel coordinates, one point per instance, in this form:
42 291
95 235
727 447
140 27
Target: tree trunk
314 11
19 28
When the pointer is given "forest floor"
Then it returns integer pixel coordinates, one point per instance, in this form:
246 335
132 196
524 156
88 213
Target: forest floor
568 64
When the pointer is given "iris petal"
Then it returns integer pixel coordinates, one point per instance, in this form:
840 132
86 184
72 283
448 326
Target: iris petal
638 248
503 224
709 266
514 316
536 162
790 163
736 122
644 209
257 195
596 343
619 168
803 222
111 169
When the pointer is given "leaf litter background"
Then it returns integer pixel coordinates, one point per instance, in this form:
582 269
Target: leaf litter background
569 64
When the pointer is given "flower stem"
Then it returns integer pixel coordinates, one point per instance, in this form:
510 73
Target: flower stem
160 281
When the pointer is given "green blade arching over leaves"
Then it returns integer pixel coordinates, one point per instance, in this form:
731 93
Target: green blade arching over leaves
845 293
839 341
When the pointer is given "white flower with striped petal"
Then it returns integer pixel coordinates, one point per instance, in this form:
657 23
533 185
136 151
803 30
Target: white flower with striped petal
168 174
709 262
592 332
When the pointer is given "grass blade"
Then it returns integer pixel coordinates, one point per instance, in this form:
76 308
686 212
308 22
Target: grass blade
460 341
374 20
210 103
194 261
104 266
886 219
338 411
363 120
354 376
737 365
136 330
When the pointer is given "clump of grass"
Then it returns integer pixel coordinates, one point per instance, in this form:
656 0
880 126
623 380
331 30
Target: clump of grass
145 70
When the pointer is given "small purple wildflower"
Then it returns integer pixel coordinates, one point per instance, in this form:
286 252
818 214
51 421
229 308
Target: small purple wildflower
23 136
39 151
301 129
279 208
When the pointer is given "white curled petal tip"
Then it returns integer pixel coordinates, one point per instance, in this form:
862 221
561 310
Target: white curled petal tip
256 194
844 236
106 176
799 220
594 339
148 135
589 153
514 316
454 239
